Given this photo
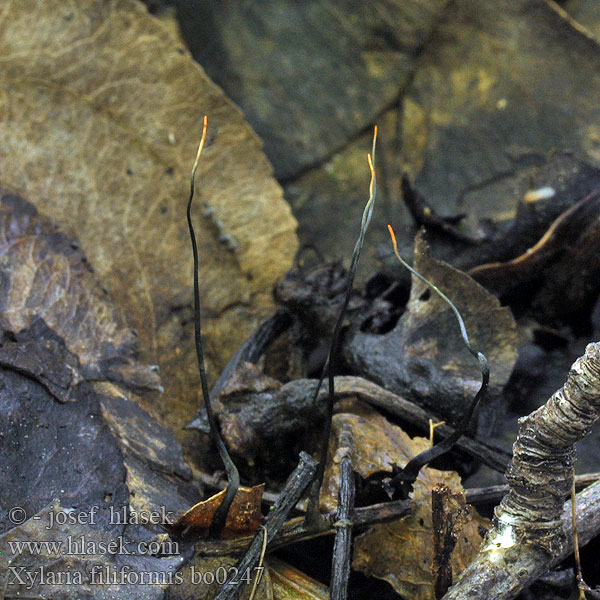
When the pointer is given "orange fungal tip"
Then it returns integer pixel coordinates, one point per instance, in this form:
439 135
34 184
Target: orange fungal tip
204 129
200 146
392 235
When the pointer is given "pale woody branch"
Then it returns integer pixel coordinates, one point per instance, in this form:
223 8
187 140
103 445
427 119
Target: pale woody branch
529 533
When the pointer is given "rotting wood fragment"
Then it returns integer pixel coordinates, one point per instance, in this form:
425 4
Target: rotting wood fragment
258 424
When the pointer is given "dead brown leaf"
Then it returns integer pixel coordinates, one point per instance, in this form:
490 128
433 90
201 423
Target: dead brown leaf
343 84
91 574
498 85
244 516
402 552
378 446
61 339
424 357
100 113
44 276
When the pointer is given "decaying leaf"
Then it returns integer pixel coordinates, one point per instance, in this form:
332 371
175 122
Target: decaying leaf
424 357
100 114
453 114
79 565
45 276
499 86
344 84
559 273
316 297
264 422
50 364
100 455
378 446
244 516
57 446
501 210
140 435
66 451
402 552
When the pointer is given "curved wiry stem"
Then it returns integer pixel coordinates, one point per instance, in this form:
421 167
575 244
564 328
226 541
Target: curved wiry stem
408 475
329 367
220 516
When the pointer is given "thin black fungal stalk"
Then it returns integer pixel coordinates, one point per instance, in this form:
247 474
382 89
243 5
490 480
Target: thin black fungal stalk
329 366
403 480
220 516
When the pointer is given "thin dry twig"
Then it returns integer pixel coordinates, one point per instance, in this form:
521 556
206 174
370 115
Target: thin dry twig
295 486
258 576
342 545
580 583
493 494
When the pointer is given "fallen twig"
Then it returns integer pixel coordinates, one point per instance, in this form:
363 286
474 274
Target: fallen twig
296 529
370 392
494 493
510 569
580 583
342 546
276 415
296 485
532 525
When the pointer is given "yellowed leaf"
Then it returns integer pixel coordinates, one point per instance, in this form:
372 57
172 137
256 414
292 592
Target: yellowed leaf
45 277
100 113
400 552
